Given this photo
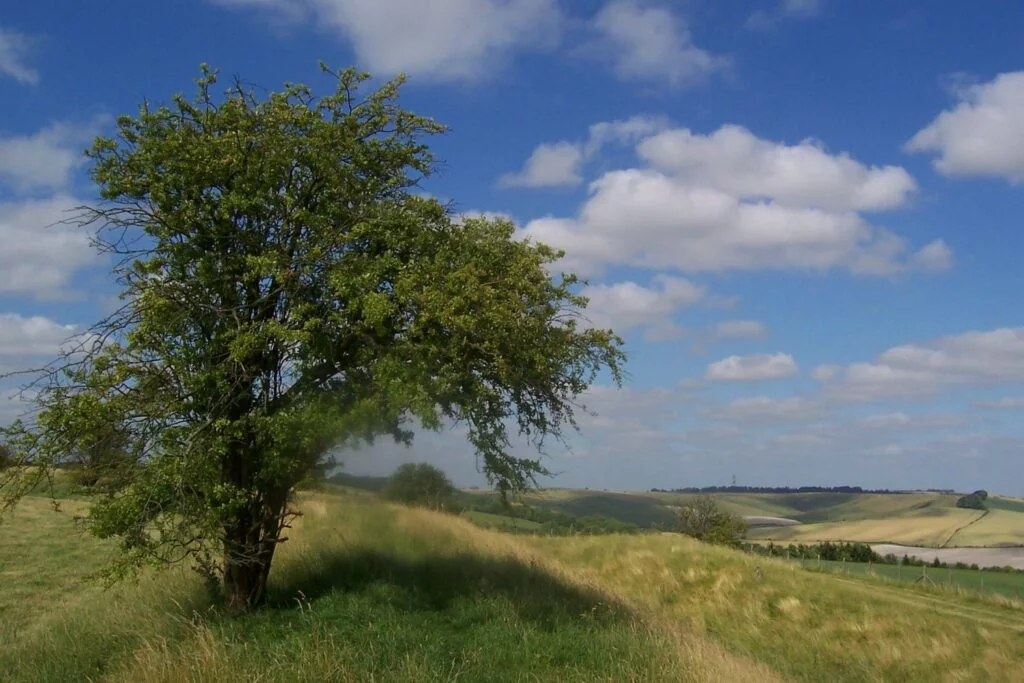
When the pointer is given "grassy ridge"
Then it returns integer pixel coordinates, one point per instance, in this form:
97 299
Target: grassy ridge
363 591
369 592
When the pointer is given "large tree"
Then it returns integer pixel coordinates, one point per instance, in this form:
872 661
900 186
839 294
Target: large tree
288 290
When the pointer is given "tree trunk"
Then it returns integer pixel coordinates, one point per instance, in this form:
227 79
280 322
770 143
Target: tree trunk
248 553
245 581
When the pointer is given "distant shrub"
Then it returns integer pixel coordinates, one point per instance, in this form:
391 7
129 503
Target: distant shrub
6 457
972 501
422 485
981 493
704 520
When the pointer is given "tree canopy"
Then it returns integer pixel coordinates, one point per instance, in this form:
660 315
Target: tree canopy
421 484
288 290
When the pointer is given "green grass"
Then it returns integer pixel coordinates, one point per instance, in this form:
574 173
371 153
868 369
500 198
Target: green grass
999 583
365 591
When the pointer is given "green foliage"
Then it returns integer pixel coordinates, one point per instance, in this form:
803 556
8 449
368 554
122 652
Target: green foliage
981 493
423 485
702 519
972 501
6 456
287 291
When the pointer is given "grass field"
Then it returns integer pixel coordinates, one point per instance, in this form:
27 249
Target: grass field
366 591
999 583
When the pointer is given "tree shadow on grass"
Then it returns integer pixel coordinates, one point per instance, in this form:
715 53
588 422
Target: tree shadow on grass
437 582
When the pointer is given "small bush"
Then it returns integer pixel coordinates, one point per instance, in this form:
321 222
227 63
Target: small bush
702 519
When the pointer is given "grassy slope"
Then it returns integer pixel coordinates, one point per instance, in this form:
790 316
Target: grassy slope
805 625
365 591
362 592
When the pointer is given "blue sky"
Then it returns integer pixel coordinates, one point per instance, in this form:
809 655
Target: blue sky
802 215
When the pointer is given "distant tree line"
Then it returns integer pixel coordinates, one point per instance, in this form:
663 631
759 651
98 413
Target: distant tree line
858 552
774 489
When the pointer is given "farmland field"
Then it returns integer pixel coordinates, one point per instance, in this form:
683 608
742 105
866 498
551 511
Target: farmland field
998 527
929 527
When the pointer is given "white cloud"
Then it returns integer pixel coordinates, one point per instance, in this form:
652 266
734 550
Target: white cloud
752 368
548 166
14 47
933 257
805 175
766 409
901 421
625 305
739 329
46 159
559 164
14 404
649 43
914 370
40 256
445 40
31 336
983 135
787 9
730 201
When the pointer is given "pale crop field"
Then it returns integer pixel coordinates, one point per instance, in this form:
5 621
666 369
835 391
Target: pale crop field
996 528
932 528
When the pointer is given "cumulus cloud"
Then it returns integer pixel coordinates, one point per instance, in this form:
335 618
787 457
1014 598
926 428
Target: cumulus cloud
753 368
559 163
46 159
983 135
626 305
31 336
916 370
40 256
14 48
731 201
447 41
548 166
649 43
735 161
